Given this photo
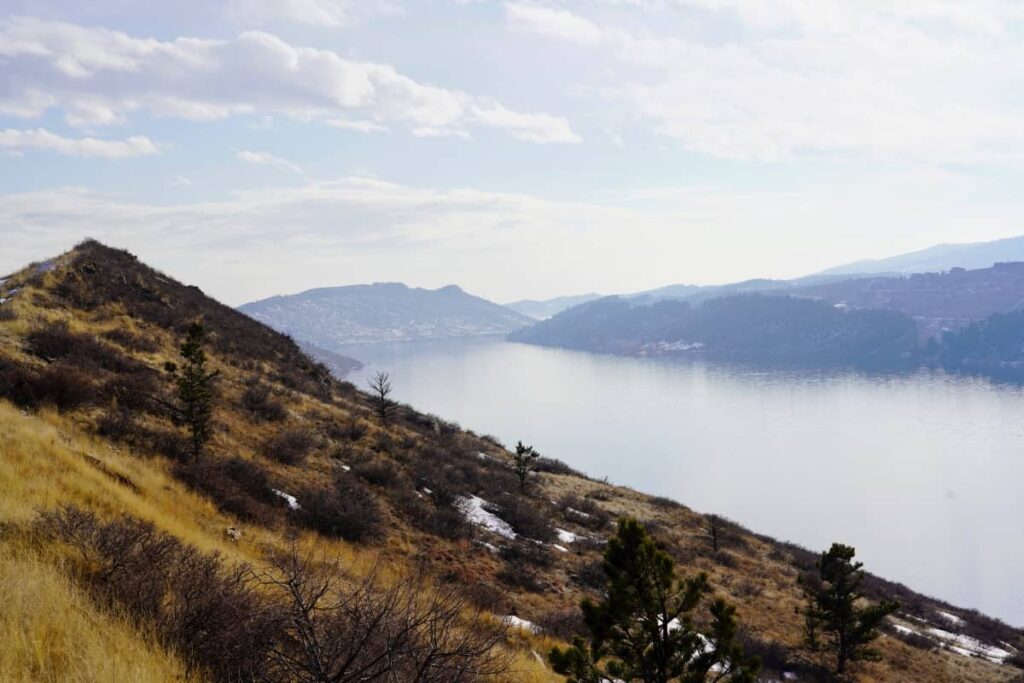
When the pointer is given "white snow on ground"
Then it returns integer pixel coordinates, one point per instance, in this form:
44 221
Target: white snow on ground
951 618
905 630
965 645
578 513
346 468
473 508
562 548
523 624
566 536
293 502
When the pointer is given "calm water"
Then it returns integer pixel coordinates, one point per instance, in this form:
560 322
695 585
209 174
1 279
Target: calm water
922 473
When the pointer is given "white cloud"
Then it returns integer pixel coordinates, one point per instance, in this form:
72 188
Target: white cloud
103 77
40 138
359 229
540 128
329 13
554 23
266 159
916 80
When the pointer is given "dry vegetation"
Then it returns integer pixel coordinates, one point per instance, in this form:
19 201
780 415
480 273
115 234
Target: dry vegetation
96 482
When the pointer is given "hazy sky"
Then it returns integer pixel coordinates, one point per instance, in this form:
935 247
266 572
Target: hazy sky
519 149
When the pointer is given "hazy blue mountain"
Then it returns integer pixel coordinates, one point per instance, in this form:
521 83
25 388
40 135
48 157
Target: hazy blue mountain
941 257
960 319
541 309
335 316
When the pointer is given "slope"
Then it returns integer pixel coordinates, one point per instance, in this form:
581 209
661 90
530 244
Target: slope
299 465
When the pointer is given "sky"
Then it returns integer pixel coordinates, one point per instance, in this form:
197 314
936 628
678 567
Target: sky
517 149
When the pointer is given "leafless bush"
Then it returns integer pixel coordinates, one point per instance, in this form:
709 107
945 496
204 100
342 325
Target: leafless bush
132 390
131 340
585 512
663 502
349 511
526 517
60 385
7 314
527 553
259 402
55 341
289 446
562 623
407 631
198 606
379 471
239 487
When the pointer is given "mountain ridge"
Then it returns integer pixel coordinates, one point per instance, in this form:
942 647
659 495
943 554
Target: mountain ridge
333 317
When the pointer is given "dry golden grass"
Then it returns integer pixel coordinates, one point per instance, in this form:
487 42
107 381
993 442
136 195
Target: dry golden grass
50 631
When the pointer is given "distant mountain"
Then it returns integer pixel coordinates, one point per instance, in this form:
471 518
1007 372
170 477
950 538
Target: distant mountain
382 312
541 309
961 320
940 257
937 301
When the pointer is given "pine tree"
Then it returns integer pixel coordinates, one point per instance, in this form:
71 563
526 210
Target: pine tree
524 462
832 609
643 629
194 408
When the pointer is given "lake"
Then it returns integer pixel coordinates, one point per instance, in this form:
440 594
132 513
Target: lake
921 472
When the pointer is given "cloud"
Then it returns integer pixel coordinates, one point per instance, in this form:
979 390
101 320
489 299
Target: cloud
40 138
540 128
265 159
554 23
100 77
359 229
329 13
915 81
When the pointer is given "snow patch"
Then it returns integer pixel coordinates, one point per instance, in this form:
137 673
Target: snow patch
516 622
561 548
566 536
578 513
293 502
473 507
951 618
969 647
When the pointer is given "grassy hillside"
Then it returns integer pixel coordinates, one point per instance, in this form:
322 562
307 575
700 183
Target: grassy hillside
102 504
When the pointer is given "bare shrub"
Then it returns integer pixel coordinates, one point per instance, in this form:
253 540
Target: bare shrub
349 511
527 553
526 517
239 487
55 341
562 623
585 512
258 401
60 385
409 630
379 472
131 340
196 605
132 391
7 314
667 503
289 446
